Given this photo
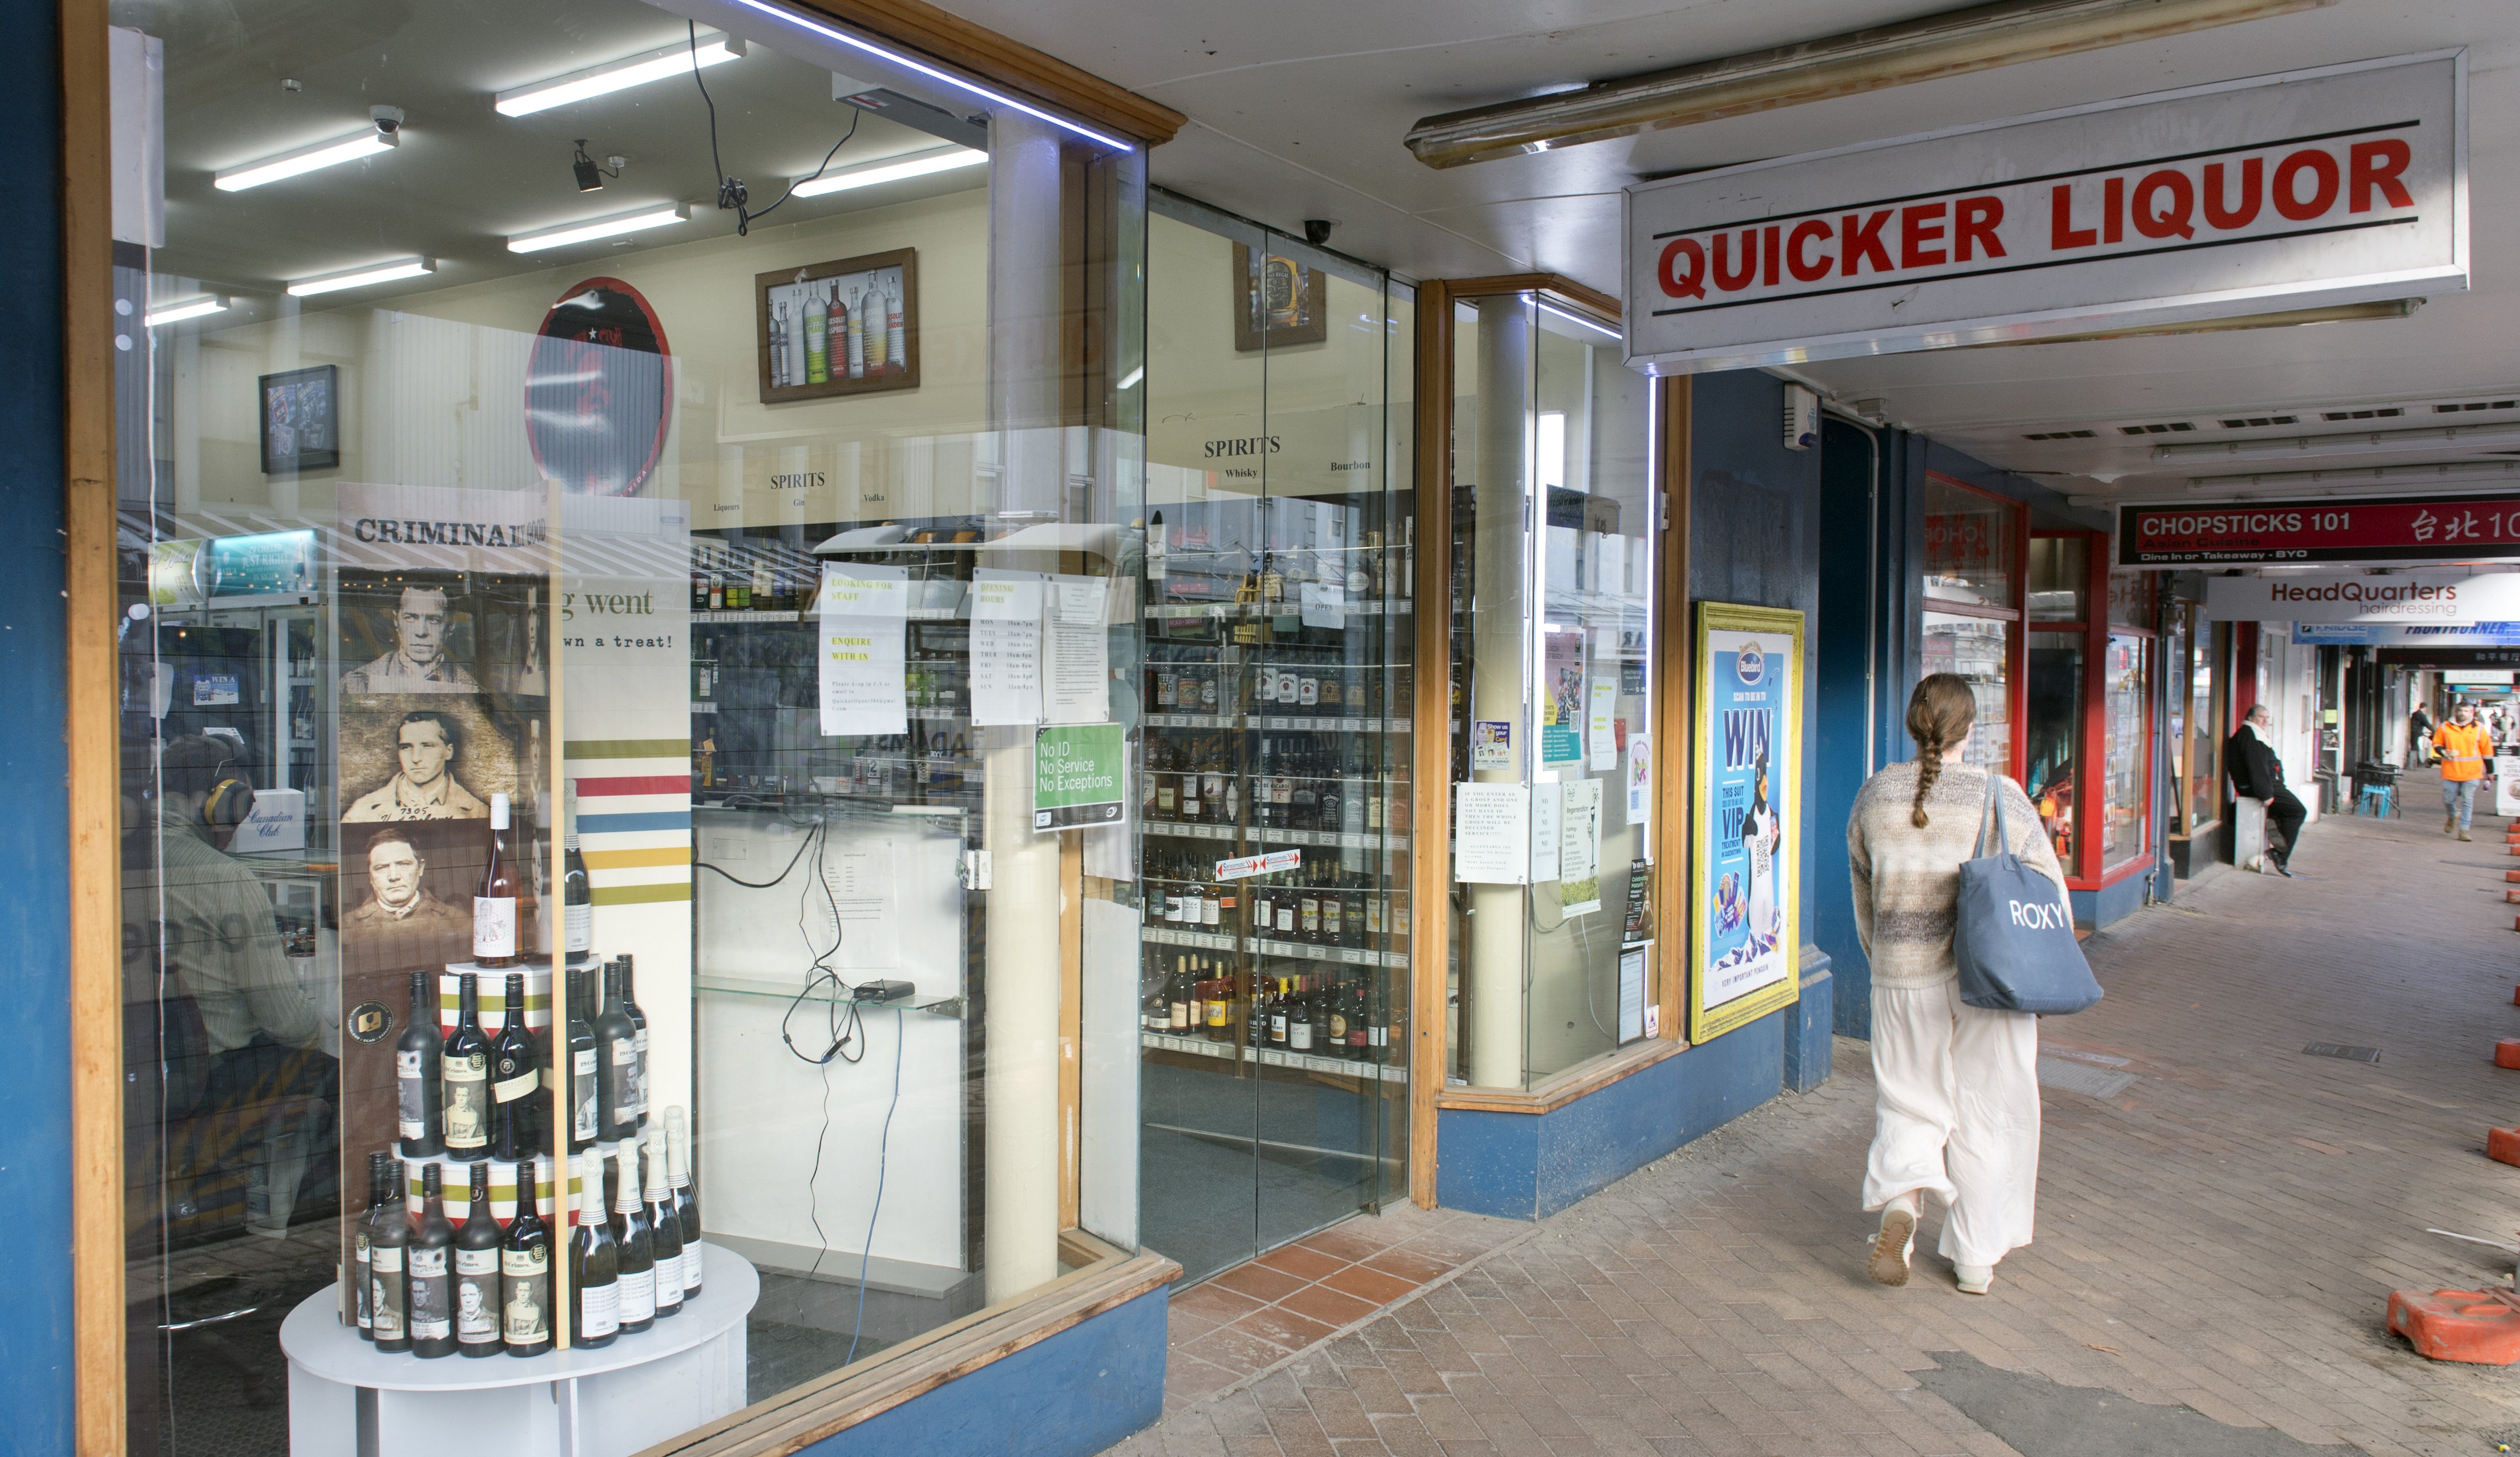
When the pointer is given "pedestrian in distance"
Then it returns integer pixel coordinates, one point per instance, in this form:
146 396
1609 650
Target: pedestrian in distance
2462 745
2420 725
1955 1109
2257 773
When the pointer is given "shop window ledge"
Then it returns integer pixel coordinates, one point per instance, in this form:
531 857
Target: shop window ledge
1566 1088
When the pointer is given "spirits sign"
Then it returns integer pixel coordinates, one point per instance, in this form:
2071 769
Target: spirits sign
2398 528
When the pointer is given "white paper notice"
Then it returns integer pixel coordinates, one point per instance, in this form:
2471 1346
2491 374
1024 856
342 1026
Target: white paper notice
1324 605
1579 846
864 613
1547 818
1601 711
1635 1017
1640 779
1006 646
1076 653
1491 833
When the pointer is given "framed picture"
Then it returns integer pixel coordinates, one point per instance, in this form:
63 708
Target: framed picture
843 327
1744 946
1278 300
301 420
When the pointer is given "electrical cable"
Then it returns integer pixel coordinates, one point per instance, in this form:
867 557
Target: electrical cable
731 196
772 883
883 1150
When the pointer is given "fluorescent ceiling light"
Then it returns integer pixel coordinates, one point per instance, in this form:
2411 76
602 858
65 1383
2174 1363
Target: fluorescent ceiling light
918 164
661 63
1130 380
1593 325
307 159
1953 43
382 272
2358 443
2444 473
191 308
864 46
605 227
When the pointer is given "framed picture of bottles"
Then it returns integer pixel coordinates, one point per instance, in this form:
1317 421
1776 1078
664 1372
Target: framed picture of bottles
843 327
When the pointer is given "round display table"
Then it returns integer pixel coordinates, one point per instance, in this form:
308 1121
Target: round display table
347 1397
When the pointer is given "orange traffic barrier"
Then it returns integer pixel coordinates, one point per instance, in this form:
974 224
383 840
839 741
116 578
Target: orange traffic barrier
2512 876
2481 1327
2502 1145
2506 1053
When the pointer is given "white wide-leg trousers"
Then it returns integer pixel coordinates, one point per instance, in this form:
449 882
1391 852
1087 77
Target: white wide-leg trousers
1956 1112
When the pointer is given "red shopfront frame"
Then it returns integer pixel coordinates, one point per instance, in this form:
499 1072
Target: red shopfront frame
2102 618
2009 549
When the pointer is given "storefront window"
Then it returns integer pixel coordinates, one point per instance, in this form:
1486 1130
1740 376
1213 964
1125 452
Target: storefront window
1553 635
2055 713
624 722
2126 688
1979 649
1972 546
2060 578
2206 690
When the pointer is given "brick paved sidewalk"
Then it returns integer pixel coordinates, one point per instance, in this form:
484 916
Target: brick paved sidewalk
2222 1233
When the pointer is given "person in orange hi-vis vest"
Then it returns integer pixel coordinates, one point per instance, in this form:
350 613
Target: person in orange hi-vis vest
2462 746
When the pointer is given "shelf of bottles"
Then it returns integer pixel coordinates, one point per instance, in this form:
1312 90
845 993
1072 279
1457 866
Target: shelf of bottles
1276 702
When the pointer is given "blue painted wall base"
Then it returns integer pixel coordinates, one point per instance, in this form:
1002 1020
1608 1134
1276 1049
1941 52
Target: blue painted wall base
2115 903
1810 1024
1529 1166
1067 1395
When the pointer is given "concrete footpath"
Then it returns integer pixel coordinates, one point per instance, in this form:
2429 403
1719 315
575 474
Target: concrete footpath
2221 1217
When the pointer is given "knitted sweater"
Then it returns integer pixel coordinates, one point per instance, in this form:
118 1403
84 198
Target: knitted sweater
1907 879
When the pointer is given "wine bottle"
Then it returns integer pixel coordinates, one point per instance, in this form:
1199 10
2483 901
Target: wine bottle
463 1068
1299 1019
576 891
363 1236
415 1075
582 1078
477 1270
616 1055
664 1229
638 1257
516 1075
433 1249
594 1262
525 1272
639 1034
1180 995
495 897
687 1205
389 1267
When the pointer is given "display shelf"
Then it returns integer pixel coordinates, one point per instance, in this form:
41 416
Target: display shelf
823 993
745 614
1275 722
1322 839
1206 941
1345 955
1362 607
1267 1057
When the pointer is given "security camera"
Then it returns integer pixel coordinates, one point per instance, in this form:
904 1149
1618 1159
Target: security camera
590 177
1317 230
386 120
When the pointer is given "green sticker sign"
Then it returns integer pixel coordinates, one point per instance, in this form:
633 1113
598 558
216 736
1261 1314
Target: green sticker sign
1078 774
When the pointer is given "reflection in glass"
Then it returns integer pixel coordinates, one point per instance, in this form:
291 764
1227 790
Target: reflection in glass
1979 649
2053 716
1971 545
2060 578
2126 688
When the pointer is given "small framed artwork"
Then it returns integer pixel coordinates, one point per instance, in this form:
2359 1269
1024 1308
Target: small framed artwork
1278 300
301 420
843 327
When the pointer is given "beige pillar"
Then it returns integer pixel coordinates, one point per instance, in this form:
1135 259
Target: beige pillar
1500 639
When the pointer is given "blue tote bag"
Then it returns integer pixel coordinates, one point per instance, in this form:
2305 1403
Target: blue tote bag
2013 934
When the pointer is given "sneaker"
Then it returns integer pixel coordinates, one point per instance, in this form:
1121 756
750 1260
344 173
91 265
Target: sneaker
1890 1248
1973 1279
2464 835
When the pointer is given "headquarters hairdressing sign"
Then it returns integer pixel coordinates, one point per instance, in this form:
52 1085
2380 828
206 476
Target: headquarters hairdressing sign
2342 185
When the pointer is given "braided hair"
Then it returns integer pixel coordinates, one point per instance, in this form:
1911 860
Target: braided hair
1939 715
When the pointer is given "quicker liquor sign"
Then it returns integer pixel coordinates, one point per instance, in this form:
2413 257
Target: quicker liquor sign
2342 185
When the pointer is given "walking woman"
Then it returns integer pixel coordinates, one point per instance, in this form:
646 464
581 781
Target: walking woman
1957 1086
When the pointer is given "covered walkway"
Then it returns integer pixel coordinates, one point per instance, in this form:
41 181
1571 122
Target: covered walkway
2221 1217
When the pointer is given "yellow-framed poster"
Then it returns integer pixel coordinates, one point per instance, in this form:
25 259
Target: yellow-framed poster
1746 782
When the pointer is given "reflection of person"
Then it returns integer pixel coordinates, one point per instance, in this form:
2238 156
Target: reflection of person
2257 773
419 663
1956 1087
2419 732
427 743
400 924
1760 836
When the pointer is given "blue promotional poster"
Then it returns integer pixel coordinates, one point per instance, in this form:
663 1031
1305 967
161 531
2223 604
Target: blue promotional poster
1748 777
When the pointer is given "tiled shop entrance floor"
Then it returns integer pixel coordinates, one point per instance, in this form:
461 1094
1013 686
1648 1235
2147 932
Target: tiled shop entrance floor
2222 1233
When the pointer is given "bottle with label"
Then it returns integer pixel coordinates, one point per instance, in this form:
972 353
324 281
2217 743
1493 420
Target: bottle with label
616 1055
876 335
577 890
1335 1022
380 1189
431 1313
687 1205
1278 1009
464 1074
779 345
818 357
495 897
716 590
516 1076
857 336
477 1270
525 1273
896 338
389 1267
594 1262
1179 994
638 1252
637 1031
1299 1019
416 1079
579 1104
664 1230
1220 1010
1157 548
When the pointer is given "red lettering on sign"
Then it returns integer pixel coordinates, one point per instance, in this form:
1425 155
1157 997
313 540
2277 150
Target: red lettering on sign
1974 224
2061 232
2165 205
2113 210
1808 231
2324 182
1678 285
1767 254
2376 165
1864 241
2253 185
1724 277
1920 224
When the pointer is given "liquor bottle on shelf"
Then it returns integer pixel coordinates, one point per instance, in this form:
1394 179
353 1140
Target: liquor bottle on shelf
379 1190
687 1205
1155 1003
1178 995
1299 1017
583 1082
415 1075
431 1313
593 1260
496 898
1220 1009
1159 765
716 586
476 1268
699 589
1157 546
389 1267
1334 919
516 1077
525 1272
577 890
1360 1037
1255 1027
638 1032
1308 926
1334 1023
1187 797
616 1056
1321 1002
765 589
1288 908
638 1257
664 1230
1195 1025
464 1074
